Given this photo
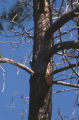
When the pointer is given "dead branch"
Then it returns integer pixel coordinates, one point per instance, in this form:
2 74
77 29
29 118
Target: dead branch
27 3
62 20
7 60
67 32
62 46
26 31
65 90
60 115
66 84
3 77
64 68
66 57
76 56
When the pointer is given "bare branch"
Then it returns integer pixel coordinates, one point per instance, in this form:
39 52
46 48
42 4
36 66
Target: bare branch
60 115
3 78
18 42
27 3
66 84
64 68
66 57
6 60
27 33
76 56
65 90
67 32
62 20
62 46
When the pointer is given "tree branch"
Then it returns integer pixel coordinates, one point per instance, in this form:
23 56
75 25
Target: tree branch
62 20
62 46
64 68
6 60
60 115
65 90
65 84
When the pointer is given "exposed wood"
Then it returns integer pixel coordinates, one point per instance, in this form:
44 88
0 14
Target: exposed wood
66 84
7 60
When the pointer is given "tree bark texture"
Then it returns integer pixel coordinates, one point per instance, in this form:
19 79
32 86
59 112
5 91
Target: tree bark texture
40 106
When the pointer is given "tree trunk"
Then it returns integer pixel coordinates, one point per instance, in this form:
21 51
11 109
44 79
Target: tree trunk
40 104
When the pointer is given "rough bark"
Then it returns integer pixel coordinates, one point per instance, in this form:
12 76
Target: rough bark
40 106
